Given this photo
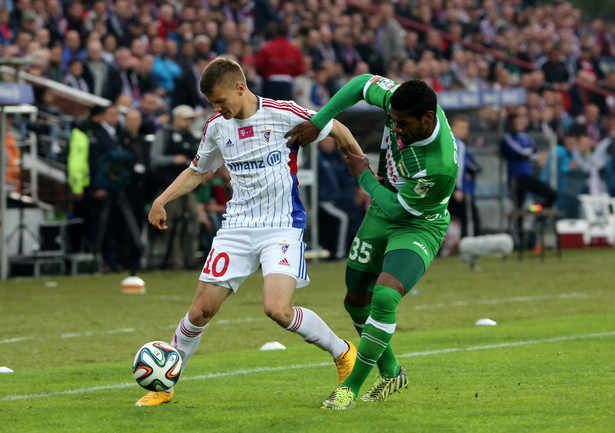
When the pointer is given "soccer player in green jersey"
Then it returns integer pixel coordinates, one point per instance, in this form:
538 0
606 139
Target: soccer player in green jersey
404 225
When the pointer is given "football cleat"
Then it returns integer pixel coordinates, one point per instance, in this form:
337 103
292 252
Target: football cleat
386 386
154 398
345 362
342 398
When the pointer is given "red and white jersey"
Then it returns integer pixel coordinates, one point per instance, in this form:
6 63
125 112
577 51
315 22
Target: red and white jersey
263 170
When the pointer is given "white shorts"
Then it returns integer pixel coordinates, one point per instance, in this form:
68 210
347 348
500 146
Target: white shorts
236 253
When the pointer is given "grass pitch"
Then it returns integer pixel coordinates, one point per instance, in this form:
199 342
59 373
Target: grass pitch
547 366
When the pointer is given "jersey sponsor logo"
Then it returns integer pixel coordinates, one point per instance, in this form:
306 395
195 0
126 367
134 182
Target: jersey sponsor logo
245 132
382 82
229 143
266 134
421 246
274 158
394 175
284 247
422 187
248 165
284 262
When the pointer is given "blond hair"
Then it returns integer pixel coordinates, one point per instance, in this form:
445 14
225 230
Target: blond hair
220 70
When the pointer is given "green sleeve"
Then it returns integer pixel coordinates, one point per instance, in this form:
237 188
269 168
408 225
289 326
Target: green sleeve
346 97
384 198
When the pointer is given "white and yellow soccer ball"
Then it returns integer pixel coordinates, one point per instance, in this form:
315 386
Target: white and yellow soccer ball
157 366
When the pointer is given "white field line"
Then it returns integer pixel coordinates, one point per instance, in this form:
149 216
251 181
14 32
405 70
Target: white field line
320 364
572 295
123 330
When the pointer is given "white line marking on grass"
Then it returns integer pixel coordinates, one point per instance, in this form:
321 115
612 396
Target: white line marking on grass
320 364
572 295
123 330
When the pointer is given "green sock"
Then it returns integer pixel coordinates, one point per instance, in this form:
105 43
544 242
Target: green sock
377 334
387 364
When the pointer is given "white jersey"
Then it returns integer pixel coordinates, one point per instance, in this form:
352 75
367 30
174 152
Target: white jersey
263 170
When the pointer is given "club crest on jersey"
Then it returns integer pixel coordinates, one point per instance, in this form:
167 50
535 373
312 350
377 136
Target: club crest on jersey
245 132
422 187
229 143
267 134
400 145
284 247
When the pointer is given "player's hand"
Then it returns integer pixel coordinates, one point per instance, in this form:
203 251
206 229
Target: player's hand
158 216
302 135
357 164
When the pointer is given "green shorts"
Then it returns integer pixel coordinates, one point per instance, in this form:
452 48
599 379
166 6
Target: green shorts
377 236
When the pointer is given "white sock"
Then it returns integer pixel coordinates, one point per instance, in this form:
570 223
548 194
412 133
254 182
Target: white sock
315 331
186 339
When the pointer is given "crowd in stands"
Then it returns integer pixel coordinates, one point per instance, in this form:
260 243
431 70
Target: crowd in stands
146 57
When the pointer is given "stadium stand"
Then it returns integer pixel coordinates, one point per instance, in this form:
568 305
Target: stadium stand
142 50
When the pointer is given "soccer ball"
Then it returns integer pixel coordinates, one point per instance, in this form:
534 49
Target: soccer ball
157 366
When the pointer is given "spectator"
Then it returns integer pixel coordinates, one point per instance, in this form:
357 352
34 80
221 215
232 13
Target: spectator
390 36
6 33
117 23
43 37
605 151
55 70
166 21
165 70
109 42
137 191
519 150
462 204
187 86
278 62
21 42
29 22
95 172
346 51
74 77
202 46
72 48
145 77
153 112
122 78
570 180
591 119
170 153
96 71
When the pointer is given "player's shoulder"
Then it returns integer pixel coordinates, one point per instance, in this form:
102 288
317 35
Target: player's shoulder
215 121
285 108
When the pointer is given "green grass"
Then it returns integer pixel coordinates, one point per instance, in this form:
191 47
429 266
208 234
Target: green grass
547 366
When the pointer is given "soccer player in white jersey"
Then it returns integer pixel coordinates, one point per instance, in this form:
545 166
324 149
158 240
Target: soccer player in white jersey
264 220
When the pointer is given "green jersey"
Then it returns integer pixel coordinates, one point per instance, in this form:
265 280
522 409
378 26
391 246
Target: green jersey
422 174
410 210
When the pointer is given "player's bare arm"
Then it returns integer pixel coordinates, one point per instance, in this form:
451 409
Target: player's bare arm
183 184
344 138
302 134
